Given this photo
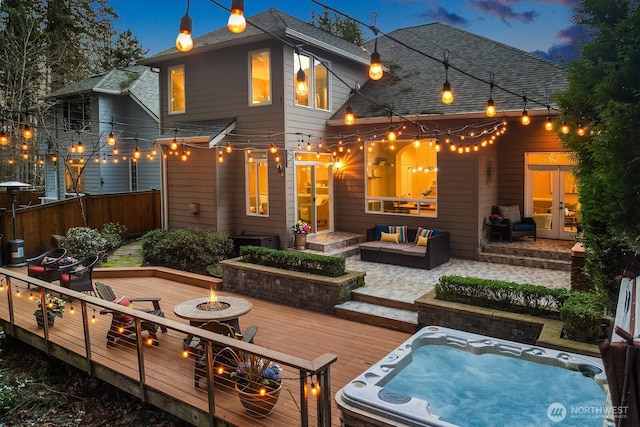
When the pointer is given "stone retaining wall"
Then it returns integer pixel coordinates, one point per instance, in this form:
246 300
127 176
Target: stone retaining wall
302 290
500 324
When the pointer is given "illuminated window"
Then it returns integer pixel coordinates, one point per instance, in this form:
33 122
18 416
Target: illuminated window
260 73
317 82
74 178
402 179
177 102
257 182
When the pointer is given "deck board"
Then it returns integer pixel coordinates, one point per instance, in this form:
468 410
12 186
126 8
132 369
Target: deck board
291 330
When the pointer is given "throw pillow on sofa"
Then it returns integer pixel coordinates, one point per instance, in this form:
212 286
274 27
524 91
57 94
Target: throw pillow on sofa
401 230
380 229
389 237
422 241
422 232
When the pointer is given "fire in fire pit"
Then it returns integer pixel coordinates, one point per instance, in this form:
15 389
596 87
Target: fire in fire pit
213 304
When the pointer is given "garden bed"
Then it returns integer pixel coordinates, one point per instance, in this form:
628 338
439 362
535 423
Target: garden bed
302 290
500 324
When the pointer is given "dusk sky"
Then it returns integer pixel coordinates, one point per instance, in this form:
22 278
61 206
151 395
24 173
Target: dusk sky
541 26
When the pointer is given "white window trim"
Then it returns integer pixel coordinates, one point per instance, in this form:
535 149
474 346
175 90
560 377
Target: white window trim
317 62
184 74
250 82
313 62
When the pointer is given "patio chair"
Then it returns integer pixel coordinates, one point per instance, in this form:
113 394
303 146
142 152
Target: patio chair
196 347
517 225
45 266
123 326
77 276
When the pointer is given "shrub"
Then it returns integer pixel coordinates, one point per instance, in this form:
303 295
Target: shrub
114 234
81 242
190 249
295 261
581 317
509 296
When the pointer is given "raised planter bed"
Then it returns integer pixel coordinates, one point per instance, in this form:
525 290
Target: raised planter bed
500 324
303 290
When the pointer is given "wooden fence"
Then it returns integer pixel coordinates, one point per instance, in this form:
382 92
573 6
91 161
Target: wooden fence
37 223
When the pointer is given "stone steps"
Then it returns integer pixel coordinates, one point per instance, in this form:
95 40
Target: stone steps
372 310
523 261
335 244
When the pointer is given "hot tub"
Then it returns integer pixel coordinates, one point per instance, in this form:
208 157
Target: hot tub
445 377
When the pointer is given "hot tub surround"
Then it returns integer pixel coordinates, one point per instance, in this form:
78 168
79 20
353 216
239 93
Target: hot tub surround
368 401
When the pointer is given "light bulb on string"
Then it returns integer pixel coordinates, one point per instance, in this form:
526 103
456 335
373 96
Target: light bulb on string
237 23
184 42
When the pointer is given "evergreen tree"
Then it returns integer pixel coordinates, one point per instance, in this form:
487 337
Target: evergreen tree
603 95
346 29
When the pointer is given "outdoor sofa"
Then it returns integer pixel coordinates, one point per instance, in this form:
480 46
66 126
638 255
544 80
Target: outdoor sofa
381 246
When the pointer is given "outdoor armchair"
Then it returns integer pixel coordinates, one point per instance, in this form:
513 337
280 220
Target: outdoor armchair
45 266
77 276
123 326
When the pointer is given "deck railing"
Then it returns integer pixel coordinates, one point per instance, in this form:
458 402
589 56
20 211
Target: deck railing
161 375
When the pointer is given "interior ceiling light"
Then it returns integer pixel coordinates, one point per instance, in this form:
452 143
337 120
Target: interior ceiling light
447 94
237 23
184 42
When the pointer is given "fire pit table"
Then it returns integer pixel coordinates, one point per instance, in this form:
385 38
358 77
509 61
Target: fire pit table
225 309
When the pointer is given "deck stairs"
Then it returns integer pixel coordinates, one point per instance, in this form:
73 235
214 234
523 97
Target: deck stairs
337 243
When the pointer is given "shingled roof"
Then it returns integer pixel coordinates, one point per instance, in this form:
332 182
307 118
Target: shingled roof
137 81
413 83
278 24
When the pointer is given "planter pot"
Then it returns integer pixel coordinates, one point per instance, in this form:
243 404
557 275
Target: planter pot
300 241
39 320
257 405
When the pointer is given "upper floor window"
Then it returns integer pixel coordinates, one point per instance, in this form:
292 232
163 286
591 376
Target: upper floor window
76 114
402 179
260 72
317 78
177 101
257 182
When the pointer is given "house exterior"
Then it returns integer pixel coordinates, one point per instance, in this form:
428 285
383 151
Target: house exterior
263 156
122 103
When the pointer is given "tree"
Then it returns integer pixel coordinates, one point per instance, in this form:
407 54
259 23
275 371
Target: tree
603 95
346 29
46 45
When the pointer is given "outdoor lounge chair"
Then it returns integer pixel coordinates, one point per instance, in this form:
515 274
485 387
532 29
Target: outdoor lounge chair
196 347
77 276
45 266
123 326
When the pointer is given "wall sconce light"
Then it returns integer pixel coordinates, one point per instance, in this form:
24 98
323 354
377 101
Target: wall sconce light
194 208
184 42
237 23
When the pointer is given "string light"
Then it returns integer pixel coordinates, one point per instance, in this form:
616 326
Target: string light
4 139
491 107
447 94
27 133
525 119
349 117
301 78
184 42
564 128
375 67
236 23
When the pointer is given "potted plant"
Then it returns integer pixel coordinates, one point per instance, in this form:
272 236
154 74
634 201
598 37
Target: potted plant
495 218
257 382
300 231
55 308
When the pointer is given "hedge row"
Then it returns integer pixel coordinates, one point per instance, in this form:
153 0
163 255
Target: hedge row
321 265
580 312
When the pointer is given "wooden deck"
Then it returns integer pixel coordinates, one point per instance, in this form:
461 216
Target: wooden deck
290 330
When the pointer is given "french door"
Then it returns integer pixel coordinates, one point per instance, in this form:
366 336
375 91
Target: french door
314 201
552 195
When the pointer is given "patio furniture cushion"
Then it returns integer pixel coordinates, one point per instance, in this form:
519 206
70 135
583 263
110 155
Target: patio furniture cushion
371 246
415 250
512 213
390 237
521 226
401 230
122 300
38 269
423 232
380 229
